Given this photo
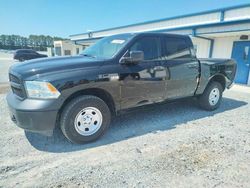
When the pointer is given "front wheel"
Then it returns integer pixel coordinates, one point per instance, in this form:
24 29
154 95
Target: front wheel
84 119
211 97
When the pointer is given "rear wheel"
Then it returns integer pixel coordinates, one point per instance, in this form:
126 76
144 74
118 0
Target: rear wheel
84 119
211 97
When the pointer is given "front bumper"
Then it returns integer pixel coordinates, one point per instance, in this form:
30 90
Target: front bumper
33 115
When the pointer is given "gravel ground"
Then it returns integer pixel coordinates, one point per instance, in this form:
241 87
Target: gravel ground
170 145
6 60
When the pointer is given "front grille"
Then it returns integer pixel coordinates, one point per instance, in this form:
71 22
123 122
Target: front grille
14 79
16 86
18 92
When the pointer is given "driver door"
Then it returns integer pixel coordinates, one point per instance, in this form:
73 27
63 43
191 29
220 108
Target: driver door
143 82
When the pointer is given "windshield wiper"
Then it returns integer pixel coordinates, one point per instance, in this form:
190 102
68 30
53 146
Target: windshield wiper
88 55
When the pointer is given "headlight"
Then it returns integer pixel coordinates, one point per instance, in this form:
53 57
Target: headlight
41 90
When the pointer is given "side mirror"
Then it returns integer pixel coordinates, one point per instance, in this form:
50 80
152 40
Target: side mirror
134 57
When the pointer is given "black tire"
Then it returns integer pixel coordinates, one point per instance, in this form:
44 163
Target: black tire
21 59
70 111
204 98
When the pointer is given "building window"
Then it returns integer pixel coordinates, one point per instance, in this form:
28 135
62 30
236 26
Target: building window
246 52
58 51
67 52
77 50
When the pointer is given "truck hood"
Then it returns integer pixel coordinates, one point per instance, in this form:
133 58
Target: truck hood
54 64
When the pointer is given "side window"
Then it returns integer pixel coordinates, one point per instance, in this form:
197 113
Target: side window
67 52
151 46
58 50
30 52
176 48
26 51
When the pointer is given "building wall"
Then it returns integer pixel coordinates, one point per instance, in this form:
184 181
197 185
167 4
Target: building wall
223 29
163 24
223 46
240 13
179 22
202 47
216 16
68 46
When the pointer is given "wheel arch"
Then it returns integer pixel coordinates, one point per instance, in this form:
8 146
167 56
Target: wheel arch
218 78
100 93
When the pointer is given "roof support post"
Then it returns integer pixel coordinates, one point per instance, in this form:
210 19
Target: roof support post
211 49
222 15
205 38
76 43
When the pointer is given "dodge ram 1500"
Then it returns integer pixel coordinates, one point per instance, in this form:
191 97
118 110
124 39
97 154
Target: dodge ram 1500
82 93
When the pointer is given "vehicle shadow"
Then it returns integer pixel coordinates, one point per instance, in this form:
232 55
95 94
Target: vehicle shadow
149 119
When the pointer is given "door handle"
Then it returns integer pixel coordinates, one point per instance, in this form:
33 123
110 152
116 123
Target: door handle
158 68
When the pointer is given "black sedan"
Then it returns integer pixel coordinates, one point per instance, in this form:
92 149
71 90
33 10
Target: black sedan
26 54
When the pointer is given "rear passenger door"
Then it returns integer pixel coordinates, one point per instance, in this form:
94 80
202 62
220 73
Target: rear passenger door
182 67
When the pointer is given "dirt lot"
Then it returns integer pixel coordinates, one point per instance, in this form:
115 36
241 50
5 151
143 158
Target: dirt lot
6 60
170 145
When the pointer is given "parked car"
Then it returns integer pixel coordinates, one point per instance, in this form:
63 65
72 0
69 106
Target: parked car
27 54
82 93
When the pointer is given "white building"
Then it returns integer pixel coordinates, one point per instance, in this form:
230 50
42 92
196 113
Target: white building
220 33
66 47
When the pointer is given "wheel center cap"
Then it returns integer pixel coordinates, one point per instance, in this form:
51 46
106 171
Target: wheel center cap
87 120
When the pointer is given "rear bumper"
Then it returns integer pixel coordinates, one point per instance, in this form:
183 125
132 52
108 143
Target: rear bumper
230 85
32 115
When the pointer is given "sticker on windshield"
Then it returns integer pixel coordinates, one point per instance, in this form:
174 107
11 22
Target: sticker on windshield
117 41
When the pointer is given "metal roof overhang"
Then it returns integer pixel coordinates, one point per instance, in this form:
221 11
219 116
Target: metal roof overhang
234 26
220 10
218 29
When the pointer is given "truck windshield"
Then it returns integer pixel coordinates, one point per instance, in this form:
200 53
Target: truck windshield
107 47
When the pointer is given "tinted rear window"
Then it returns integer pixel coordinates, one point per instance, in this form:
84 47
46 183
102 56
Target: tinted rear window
176 48
25 51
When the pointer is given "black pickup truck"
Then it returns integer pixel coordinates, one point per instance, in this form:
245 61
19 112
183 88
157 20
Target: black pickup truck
82 93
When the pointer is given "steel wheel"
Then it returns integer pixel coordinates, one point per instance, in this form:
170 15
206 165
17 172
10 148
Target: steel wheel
84 119
214 96
88 121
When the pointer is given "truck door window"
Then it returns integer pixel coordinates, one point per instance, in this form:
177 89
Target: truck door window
246 52
176 48
151 46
